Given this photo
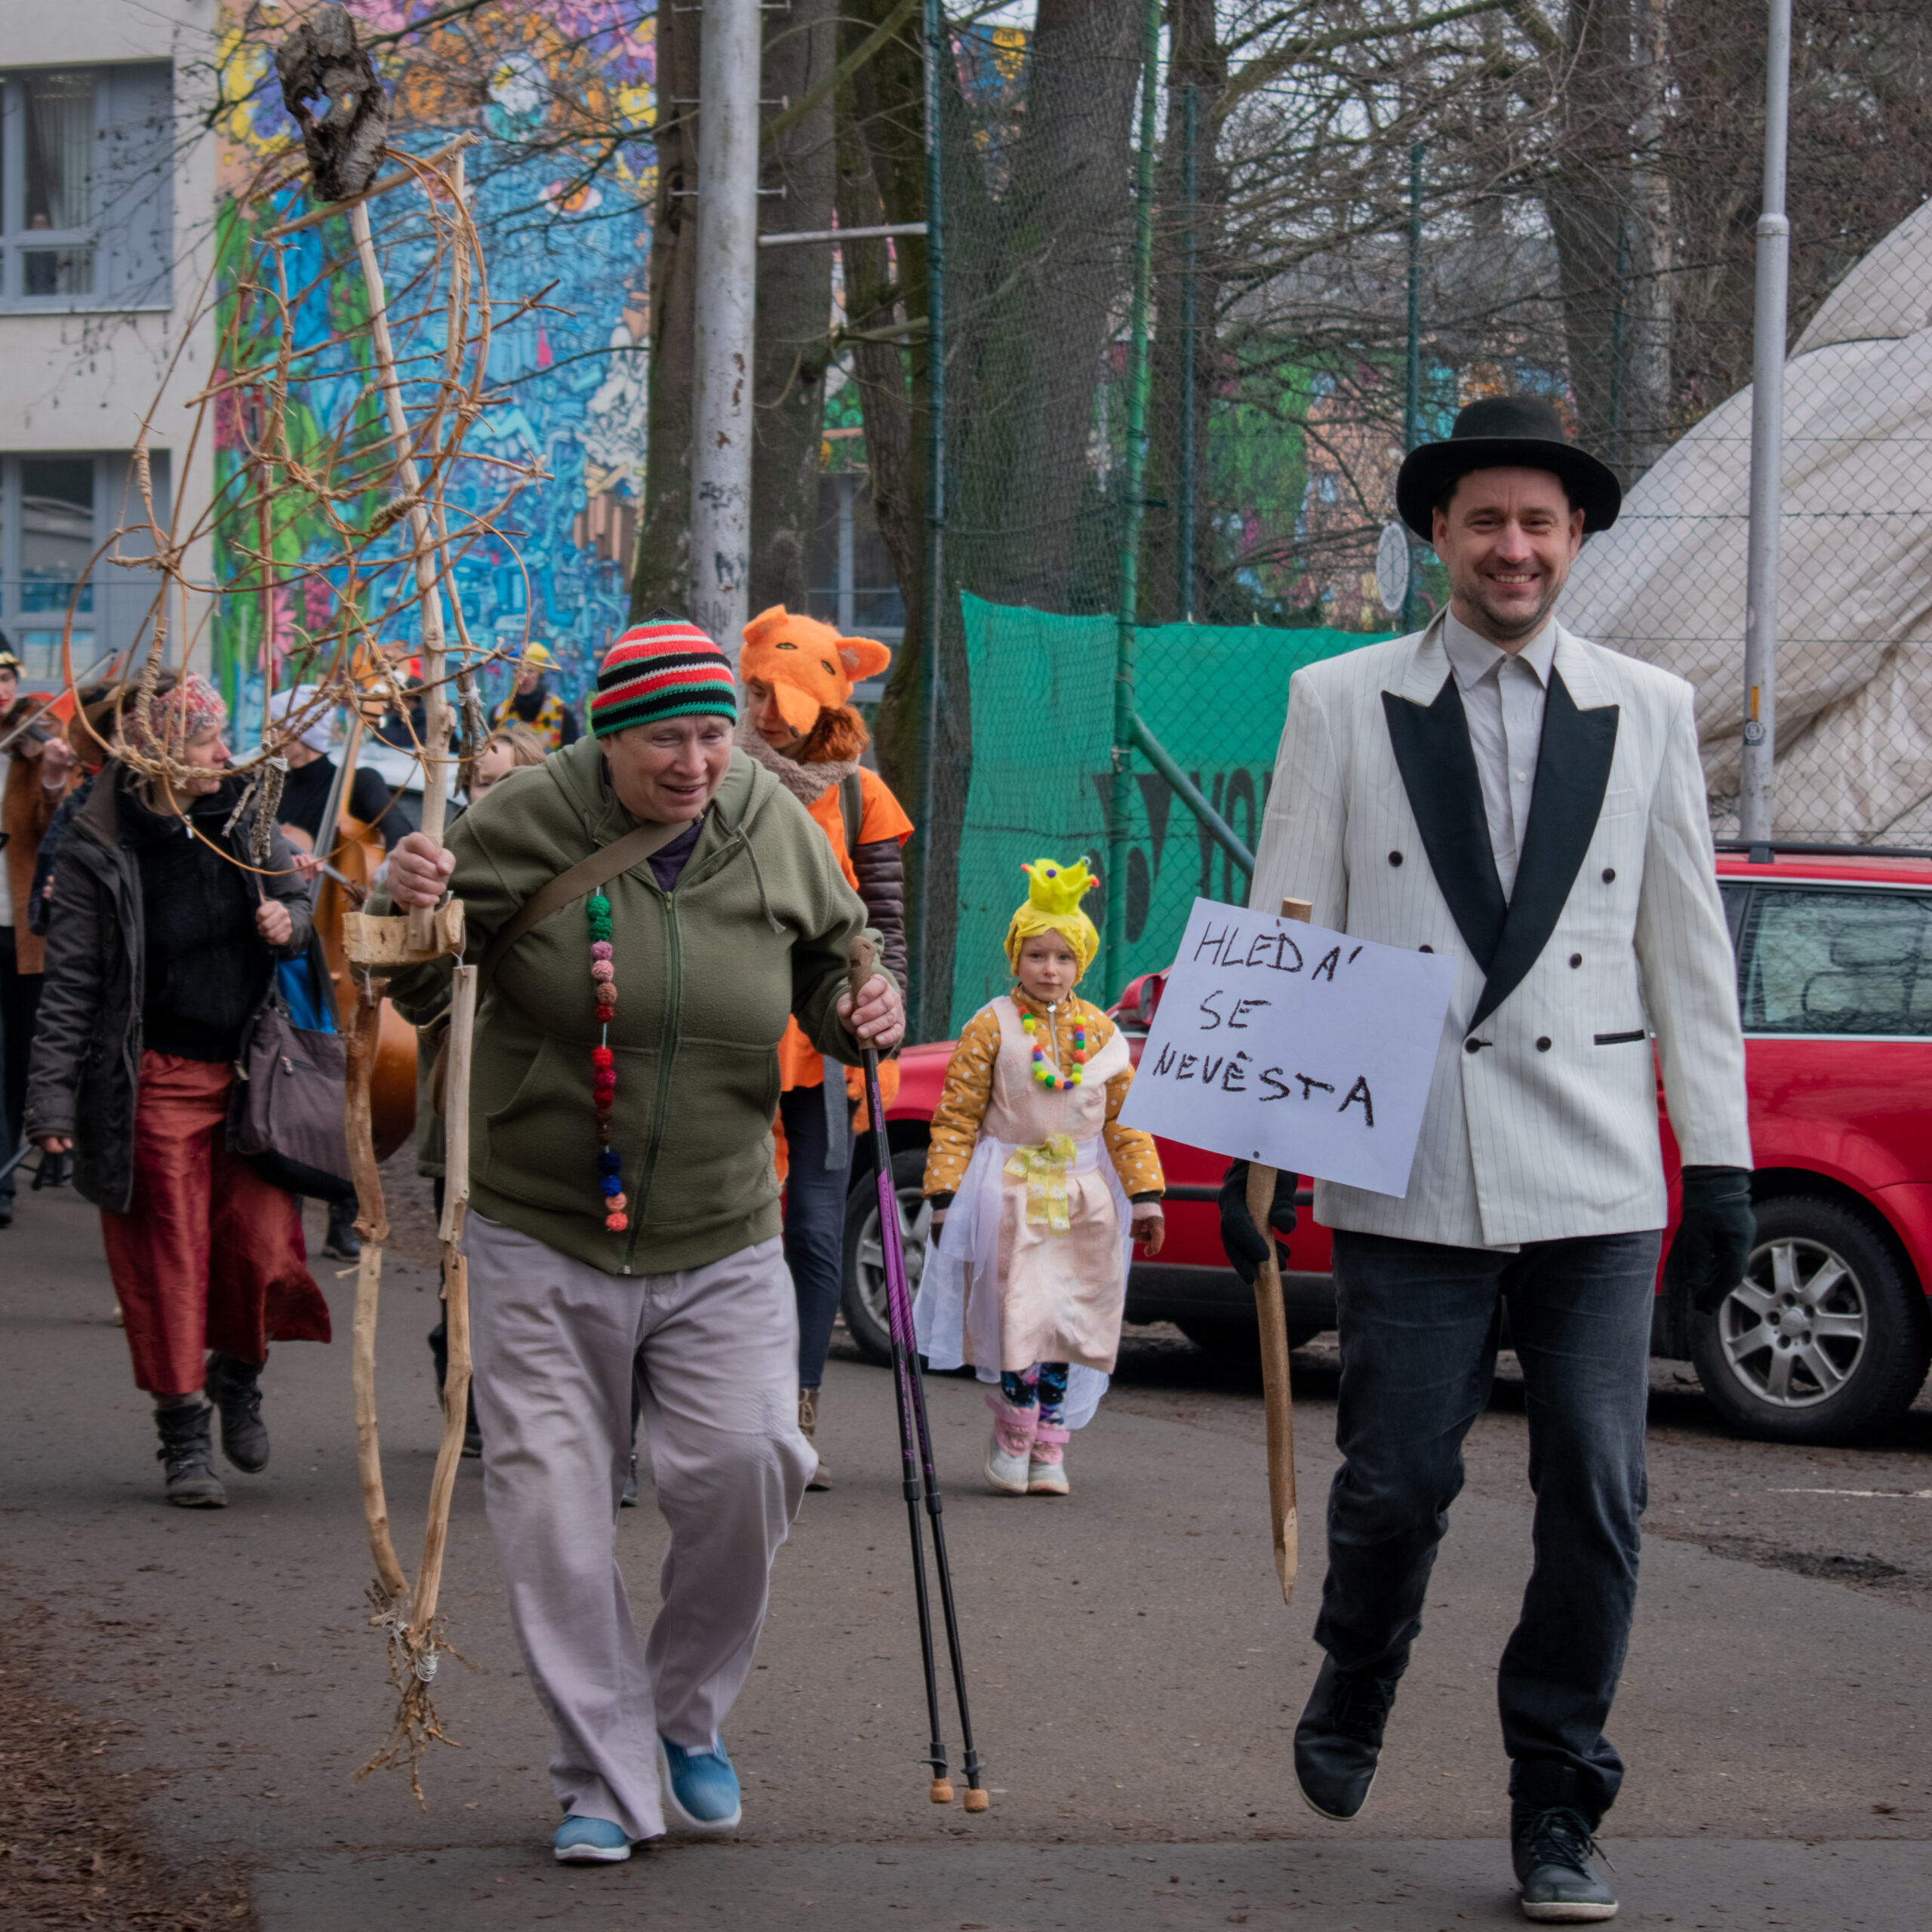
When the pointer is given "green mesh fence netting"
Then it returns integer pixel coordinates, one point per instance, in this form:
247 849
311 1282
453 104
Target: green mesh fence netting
1042 697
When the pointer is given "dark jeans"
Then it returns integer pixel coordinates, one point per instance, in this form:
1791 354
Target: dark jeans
814 1227
1419 1325
19 1007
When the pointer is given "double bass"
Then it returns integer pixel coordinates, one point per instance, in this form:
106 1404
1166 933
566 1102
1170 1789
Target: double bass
343 888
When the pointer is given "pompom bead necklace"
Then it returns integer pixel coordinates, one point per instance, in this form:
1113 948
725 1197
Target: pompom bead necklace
1044 1071
604 1066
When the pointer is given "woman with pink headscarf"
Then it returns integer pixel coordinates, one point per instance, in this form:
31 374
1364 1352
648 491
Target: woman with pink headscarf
164 939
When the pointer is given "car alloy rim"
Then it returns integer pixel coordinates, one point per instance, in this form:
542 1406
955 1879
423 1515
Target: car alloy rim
1795 1330
915 1228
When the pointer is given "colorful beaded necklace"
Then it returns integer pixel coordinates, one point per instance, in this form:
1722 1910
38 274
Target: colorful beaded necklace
1044 1071
604 1064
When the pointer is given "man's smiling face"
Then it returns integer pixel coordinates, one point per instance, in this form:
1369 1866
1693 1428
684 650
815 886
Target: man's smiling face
1507 538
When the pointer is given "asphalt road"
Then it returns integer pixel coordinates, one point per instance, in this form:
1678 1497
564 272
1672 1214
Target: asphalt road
1135 1676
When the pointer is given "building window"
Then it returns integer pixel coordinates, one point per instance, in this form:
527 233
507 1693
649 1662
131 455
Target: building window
1846 962
87 205
55 512
852 583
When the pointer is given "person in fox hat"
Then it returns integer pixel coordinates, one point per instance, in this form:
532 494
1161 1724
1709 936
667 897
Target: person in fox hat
799 723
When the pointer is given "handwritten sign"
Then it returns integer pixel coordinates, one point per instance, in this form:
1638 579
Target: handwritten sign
1298 1047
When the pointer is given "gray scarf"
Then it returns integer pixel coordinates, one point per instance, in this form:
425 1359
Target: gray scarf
806 783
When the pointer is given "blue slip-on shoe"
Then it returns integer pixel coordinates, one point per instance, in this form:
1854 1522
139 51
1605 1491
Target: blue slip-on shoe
700 1788
591 1841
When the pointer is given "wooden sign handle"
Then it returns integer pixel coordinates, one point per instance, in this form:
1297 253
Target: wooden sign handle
1271 1313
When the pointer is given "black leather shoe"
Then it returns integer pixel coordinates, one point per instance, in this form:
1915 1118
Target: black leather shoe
235 1389
1551 1849
1340 1738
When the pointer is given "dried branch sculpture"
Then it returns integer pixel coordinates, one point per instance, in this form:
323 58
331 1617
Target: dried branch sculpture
352 498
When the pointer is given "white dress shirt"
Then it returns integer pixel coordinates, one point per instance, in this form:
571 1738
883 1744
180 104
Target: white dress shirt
1503 697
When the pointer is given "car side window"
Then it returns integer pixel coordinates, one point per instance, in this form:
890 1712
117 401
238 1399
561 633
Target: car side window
1837 961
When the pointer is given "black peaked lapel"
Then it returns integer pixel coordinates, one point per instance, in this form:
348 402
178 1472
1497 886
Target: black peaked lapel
1572 772
1431 746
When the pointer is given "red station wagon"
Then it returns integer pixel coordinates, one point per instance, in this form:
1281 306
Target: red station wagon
1828 1337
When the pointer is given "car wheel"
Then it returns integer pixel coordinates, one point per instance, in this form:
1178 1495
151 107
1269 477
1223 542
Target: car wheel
863 1301
1221 1336
1826 1339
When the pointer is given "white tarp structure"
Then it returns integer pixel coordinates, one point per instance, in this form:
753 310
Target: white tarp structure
1854 634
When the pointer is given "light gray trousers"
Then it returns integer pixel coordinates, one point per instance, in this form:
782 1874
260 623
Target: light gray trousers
716 1353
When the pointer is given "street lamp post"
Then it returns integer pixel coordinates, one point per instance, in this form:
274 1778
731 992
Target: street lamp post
1761 592
729 65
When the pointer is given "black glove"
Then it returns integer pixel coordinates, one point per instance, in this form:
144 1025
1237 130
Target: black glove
1716 1234
1242 1241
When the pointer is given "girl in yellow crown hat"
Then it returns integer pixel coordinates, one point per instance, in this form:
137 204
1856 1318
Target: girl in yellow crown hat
1027 1278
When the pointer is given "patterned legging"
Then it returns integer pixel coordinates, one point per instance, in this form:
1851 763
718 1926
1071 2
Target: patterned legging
1045 1382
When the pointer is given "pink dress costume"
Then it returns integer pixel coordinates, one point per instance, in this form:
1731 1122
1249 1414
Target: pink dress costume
1031 1265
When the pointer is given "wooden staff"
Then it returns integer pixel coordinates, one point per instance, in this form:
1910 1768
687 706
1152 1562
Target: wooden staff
1270 1310
437 717
456 1299
372 1226
415 1632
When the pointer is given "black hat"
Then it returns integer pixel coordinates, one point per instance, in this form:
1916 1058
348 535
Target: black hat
1505 432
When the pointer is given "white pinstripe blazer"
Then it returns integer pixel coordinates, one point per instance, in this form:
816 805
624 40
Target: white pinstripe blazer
1542 1121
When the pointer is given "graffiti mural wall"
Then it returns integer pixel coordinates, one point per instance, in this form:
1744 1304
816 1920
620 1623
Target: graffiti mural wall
559 94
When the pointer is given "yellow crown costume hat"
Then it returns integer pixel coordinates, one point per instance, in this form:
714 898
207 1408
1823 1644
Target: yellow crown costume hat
1052 905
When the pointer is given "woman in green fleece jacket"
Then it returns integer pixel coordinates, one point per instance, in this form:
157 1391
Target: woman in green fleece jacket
624 1209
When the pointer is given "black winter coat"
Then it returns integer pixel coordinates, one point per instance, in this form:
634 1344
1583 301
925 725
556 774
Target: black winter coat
85 1071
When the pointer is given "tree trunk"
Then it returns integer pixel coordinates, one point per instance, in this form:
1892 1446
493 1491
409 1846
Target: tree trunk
1646 414
662 574
1587 205
1181 384
793 346
881 178
1055 282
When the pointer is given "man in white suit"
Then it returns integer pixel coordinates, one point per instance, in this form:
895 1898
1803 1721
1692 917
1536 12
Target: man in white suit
1531 805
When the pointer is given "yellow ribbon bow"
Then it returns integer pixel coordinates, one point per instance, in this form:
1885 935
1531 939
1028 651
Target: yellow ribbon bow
1044 1170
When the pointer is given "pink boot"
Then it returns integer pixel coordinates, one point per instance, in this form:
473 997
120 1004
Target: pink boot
1046 1468
1008 1455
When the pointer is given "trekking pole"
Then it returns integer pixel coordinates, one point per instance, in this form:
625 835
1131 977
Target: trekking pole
977 1797
919 1474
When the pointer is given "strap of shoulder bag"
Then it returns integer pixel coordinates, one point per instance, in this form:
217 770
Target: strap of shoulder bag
583 878
852 810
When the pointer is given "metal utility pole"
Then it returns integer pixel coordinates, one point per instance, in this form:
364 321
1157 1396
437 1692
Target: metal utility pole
729 65
1412 391
1189 355
1134 491
1761 576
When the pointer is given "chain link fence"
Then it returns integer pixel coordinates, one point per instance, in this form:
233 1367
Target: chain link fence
1278 420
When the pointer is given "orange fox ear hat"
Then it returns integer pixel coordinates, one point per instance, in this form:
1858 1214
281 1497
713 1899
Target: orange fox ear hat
809 667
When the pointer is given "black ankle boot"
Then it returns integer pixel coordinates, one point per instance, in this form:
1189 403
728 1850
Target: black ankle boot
342 1242
1338 1739
235 1389
187 1457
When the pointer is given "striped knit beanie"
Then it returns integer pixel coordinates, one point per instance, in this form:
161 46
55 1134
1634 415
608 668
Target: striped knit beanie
662 668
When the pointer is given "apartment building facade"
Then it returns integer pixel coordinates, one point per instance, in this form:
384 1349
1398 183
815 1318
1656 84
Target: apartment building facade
107 196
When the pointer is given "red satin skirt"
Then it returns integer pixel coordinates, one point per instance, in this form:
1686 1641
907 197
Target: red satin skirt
208 1255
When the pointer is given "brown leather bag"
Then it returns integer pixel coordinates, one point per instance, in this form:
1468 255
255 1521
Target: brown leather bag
575 881
286 1115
